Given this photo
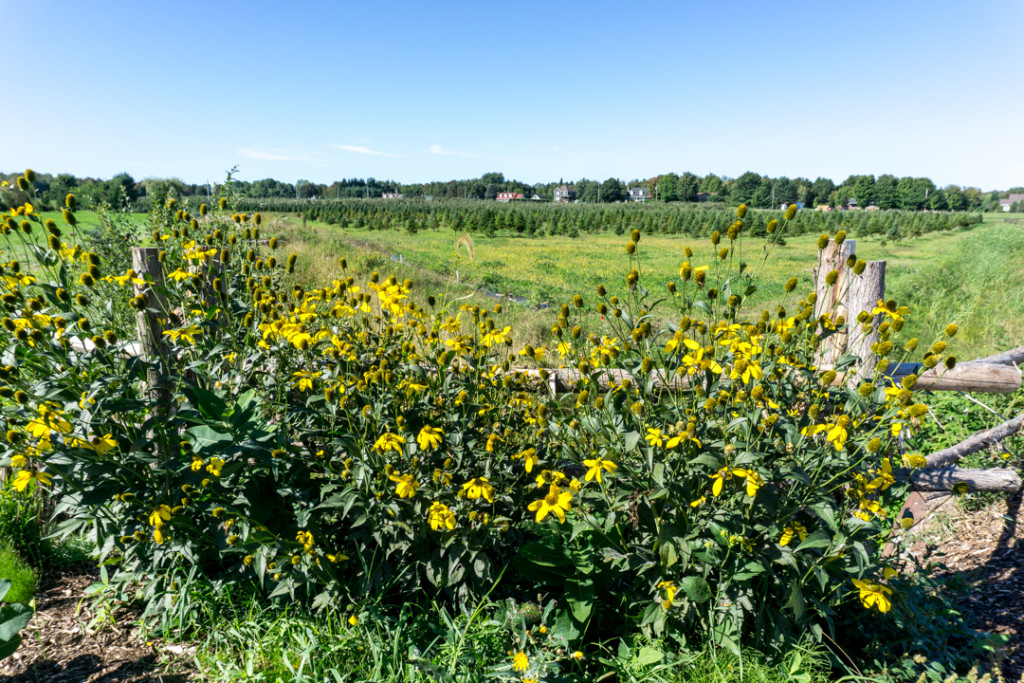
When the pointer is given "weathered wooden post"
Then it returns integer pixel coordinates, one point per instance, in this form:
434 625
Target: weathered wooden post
866 290
150 323
831 299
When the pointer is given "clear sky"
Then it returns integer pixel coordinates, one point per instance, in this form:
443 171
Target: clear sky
418 91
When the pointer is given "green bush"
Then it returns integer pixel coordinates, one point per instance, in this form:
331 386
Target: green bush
343 445
23 578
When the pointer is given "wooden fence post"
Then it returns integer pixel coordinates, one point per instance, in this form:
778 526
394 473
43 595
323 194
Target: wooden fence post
864 294
831 299
149 323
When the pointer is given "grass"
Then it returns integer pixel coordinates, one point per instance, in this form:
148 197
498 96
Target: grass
967 276
244 639
24 579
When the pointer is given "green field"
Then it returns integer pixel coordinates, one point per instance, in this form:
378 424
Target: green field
968 276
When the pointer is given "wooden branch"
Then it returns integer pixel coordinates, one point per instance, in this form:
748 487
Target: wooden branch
970 376
945 478
563 380
976 442
1011 357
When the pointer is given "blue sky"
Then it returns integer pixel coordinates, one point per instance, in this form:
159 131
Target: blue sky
539 91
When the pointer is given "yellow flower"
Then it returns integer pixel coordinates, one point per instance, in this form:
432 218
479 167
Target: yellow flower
24 477
353 620
478 487
557 501
791 529
654 437
491 440
595 466
304 379
186 334
754 480
530 459
520 662
215 466
873 595
440 516
129 276
429 437
700 501
885 478
306 539
406 487
577 655
18 461
720 476
389 442
179 275
197 463
668 592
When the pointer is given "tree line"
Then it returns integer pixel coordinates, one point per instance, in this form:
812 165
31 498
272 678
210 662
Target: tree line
886 191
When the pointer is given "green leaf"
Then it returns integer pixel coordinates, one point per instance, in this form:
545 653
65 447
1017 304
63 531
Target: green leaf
649 655
819 539
631 439
696 588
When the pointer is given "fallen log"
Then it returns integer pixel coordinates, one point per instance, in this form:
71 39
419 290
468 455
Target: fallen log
976 442
992 378
1011 357
946 478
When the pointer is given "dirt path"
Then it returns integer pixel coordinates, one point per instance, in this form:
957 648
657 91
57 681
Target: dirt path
986 548
57 647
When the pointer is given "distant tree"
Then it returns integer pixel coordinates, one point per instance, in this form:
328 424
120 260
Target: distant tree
689 186
668 187
744 187
612 191
61 186
762 198
785 191
804 191
823 189
711 183
119 190
914 192
937 201
491 191
973 198
886 193
864 189
586 190
956 198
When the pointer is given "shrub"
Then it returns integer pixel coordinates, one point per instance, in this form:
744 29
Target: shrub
346 442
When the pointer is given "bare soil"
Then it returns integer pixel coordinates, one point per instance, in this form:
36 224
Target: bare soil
58 647
985 548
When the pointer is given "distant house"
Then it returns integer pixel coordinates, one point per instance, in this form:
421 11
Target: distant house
639 194
506 197
785 205
564 194
1010 201
823 207
393 195
852 205
703 196
536 197
872 207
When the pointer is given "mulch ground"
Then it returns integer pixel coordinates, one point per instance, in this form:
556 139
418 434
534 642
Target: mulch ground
57 646
985 547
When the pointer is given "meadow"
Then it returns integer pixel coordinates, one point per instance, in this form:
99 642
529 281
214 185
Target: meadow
967 275
321 469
